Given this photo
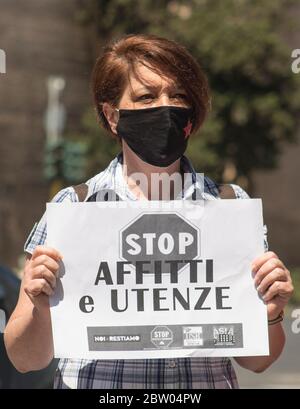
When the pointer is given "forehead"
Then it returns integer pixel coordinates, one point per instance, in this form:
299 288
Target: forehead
145 77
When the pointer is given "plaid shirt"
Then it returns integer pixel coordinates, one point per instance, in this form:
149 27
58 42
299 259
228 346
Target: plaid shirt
179 373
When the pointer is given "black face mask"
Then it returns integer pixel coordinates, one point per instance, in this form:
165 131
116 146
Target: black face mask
157 135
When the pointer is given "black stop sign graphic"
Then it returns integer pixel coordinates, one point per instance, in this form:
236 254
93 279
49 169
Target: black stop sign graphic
161 236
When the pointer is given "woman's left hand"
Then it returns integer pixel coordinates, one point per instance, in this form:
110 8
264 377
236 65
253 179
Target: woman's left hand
273 282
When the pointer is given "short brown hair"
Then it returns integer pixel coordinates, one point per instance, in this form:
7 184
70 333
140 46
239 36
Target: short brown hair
166 57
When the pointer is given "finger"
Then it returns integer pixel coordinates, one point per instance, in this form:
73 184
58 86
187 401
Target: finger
267 268
49 251
278 274
259 261
284 289
47 289
46 261
42 272
37 287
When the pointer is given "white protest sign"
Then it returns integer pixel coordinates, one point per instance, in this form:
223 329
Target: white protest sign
142 282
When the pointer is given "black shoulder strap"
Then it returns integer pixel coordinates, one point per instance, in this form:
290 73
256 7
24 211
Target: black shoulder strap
81 191
226 192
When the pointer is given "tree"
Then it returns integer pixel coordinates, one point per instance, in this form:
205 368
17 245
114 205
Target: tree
240 44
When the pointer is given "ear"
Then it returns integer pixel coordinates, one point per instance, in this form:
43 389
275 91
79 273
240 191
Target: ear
111 115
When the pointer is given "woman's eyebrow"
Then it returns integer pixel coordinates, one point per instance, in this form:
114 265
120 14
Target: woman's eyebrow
172 87
140 89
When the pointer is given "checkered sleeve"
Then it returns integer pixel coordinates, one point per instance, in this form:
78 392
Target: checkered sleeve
38 234
241 194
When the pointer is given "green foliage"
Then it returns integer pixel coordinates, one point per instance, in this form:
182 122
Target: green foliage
240 44
295 273
52 160
74 161
66 160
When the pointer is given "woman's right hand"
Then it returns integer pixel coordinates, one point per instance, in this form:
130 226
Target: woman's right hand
41 272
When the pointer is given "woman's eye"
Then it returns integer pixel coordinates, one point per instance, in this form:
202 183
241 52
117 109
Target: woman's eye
145 97
180 96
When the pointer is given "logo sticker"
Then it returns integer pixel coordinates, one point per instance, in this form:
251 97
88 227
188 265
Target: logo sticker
224 335
192 336
161 337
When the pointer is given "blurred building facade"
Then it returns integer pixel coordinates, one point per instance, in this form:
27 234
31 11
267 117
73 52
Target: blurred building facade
40 39
280 191
43 39
280 188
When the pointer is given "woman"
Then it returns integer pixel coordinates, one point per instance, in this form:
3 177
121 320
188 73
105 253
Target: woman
151 94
